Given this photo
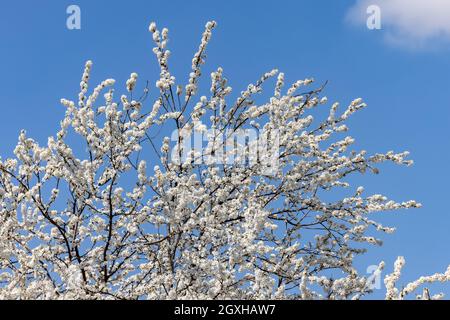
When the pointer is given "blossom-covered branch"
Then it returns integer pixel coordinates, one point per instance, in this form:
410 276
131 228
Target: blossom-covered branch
109 209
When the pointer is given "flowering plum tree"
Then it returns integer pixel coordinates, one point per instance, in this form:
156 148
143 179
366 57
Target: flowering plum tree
86 217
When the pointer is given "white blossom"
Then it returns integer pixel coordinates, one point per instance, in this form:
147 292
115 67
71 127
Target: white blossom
93 221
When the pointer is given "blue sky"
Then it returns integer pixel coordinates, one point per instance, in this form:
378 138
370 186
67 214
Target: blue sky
405 86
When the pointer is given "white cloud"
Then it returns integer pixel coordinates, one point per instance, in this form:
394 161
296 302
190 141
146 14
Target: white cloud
411 23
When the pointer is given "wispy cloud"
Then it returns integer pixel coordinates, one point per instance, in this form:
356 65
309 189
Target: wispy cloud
410 23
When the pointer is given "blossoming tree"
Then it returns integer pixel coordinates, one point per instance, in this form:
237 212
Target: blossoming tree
100 224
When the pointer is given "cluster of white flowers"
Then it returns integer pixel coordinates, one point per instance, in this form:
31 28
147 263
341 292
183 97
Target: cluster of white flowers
84 83
198 60
161 39
100 225
131 83
394 293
